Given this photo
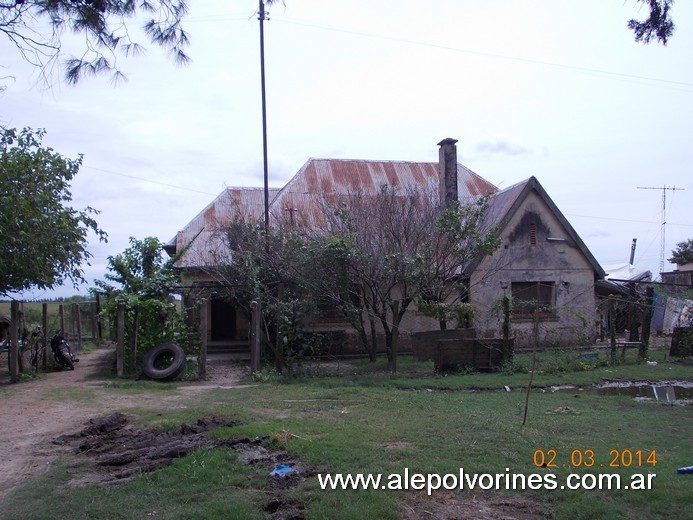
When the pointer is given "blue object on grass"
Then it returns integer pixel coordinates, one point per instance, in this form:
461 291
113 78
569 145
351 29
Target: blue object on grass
688 469
283 471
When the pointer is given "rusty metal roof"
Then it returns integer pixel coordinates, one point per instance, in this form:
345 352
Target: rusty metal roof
201 241
299 202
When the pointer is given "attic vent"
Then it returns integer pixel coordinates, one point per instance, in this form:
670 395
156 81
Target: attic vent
532 234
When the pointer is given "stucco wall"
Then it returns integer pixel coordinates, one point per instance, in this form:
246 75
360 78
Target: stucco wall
554 258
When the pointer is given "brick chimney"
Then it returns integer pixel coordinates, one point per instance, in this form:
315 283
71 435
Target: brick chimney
447 174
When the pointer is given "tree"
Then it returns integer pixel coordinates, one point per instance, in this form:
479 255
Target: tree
458 237
683 254
141 270
37 28
271 266
144 286
400 247
657 25
43 241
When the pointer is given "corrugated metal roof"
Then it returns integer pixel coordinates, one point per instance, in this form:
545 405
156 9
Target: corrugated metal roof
201 240
318 179
300 201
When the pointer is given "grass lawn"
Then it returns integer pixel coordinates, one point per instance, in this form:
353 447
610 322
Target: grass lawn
367 421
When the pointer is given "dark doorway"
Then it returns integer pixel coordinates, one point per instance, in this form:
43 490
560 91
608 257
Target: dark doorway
223 321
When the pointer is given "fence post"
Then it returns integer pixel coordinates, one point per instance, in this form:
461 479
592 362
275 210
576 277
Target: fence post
44 324
61 316
507 350
98 319
202 367
92 308
78 320
612 326
646 322
120 340
134 339
21 338
14 343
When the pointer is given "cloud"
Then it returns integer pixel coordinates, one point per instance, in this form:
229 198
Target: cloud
597 233
500 148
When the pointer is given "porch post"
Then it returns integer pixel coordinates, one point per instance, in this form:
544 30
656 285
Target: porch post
203 338
255 318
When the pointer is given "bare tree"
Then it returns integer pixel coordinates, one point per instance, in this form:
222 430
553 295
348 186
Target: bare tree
399 247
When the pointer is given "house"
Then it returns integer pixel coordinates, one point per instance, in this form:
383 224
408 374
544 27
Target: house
543 265
542 262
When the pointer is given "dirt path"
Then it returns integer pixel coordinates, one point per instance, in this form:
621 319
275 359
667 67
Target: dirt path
31 417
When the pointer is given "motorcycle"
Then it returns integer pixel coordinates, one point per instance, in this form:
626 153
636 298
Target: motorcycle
61 351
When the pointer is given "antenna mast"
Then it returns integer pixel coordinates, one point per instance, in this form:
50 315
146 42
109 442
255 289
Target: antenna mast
664 218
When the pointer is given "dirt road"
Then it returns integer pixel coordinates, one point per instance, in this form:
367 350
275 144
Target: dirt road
33 413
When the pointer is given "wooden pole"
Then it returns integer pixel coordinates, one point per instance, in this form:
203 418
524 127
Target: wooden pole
78 322
535 343
507 351
99 333
202 368
646 322
21 339
255 322
120 340
14 343
92 308
61 317
133 342
44 336
612 326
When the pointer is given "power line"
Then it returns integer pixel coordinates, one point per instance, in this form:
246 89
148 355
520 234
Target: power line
149 180
688 85
624 219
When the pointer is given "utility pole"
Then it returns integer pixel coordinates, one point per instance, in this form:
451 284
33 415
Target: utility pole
664 218
262 16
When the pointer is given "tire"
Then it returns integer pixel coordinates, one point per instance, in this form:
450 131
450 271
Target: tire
68 362
64 361
170 372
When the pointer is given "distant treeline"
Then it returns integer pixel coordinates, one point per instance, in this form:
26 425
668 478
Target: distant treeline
70 299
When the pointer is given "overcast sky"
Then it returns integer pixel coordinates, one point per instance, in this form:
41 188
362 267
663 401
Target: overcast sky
558 90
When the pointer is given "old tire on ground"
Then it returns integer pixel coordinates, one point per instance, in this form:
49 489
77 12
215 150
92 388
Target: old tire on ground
158 356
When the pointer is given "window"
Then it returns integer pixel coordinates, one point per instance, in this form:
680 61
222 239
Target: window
532 234
529 297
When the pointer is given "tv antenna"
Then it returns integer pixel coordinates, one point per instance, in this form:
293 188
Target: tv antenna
664 217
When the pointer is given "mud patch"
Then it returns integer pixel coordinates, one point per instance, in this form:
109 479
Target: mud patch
117 450
460 506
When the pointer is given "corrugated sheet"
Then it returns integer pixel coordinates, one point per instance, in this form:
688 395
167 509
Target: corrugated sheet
302 198
301 201
201 240
500 204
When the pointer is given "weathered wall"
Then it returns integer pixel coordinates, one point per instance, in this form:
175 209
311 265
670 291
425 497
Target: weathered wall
549 260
